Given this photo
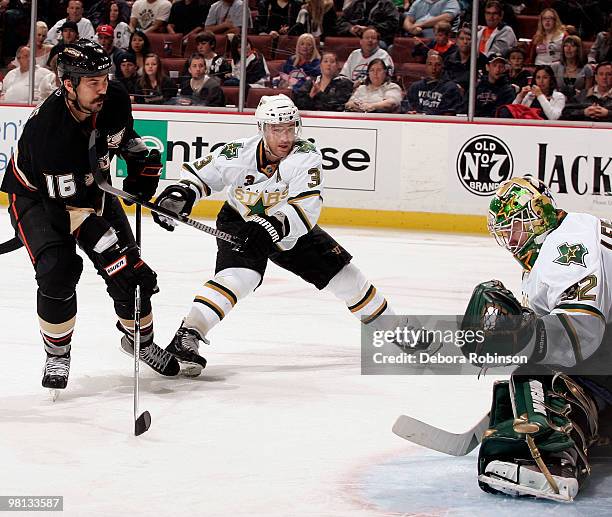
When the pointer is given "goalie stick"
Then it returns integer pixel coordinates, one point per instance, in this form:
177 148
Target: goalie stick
102 182
438 439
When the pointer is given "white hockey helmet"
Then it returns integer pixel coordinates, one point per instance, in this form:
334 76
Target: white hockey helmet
277 109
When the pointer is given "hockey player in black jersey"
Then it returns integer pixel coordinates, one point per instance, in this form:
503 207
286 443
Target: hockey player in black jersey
55 205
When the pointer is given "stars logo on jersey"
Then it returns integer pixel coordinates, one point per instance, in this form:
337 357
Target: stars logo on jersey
230 151
258 208
304 146
571 254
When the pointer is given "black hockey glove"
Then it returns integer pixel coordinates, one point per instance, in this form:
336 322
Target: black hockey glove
177 198
125 269
260 233
143 175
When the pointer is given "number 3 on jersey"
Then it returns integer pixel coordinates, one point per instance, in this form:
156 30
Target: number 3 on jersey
315 176
63 184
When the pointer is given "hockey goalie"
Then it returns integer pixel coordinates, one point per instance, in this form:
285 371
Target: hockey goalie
546 421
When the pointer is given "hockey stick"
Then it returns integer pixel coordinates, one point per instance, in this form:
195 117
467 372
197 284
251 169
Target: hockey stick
104 185
10 245
142 422
438 439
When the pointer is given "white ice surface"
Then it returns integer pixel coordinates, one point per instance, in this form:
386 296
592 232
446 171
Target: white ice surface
281 423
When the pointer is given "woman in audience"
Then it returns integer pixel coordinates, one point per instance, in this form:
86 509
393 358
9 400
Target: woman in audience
378 94
304 64
318 17
547 41
571 73
42 50
112 17
602 48
543 94
154 87
257 73
139 47
277 16
329 91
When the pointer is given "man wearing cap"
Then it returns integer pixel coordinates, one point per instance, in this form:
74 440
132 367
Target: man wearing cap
494 88
127 72
75 14
69 33
106 38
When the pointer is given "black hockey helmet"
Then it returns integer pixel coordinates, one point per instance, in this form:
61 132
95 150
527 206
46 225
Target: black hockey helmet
83 58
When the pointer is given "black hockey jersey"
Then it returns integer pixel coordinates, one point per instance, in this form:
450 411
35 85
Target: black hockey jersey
51 163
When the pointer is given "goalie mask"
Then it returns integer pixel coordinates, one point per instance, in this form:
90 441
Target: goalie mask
277 109
521 214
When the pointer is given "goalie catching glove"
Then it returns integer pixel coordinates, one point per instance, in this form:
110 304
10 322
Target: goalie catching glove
507 327
178 198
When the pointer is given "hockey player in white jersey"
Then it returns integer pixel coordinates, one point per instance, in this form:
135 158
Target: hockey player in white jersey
547 418
274 197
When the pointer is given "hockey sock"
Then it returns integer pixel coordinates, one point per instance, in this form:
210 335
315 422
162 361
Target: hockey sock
56 318
218 296
146 329
361 297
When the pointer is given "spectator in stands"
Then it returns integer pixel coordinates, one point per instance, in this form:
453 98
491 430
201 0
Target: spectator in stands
216 65
356 66
495 37
423 15
42 48
571 73
493 89
139 47
16 84
602 48
378 94
199 88
359 15
318 17
434 95
15 26
129 72
276 17
518 75
546 43
225 17
257 73
154 87
69 34
50 82
106 39
305 63
441 43
594 104
150 15
543 94
97 11
113 16
457 61
328 92
186 18
75 14
587 15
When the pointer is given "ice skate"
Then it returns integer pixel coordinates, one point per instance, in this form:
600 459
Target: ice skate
185 347
55 373
153 356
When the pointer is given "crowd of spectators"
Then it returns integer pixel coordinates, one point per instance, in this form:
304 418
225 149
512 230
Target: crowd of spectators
539 59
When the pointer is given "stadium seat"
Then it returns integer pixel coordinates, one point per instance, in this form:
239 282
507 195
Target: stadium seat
232 94
264 44
174 64
275 67
159 41
526 25
191 46
408 73
255 94
402 49
341 45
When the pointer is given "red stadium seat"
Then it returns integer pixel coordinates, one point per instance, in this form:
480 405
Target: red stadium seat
341 45
408 73
159 41
402 49
255 94
275 67
232 94
174 64
264 44
526 26
191 47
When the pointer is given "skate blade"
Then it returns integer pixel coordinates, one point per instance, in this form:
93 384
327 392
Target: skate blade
522 490
189 369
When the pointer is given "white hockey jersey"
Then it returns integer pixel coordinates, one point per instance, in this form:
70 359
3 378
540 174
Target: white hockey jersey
292 186
570 288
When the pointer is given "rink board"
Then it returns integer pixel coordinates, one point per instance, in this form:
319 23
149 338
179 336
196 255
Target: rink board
418 174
